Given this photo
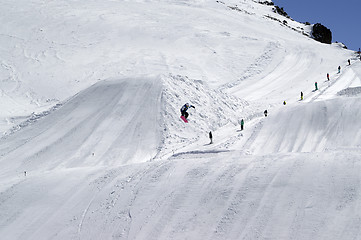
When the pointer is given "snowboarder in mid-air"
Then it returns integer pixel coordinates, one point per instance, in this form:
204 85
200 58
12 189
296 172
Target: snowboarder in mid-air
184 111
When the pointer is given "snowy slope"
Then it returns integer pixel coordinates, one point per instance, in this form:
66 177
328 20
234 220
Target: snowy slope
205 195
93 146
52 50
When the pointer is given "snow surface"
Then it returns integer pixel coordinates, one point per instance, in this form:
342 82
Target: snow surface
92 145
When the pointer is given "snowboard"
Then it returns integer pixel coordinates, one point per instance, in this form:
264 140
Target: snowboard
184 119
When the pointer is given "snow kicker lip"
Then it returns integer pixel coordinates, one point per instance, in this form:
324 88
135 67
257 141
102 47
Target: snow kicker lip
199 152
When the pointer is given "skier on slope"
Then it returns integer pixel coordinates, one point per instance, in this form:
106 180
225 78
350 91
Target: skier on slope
328 77
339 69
242 124
185 108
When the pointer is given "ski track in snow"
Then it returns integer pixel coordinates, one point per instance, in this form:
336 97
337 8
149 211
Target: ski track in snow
347 78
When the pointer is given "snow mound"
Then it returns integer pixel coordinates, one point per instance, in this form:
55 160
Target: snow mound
312 127
106 124
117 122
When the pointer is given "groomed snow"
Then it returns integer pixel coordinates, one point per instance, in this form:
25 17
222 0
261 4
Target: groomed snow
92 145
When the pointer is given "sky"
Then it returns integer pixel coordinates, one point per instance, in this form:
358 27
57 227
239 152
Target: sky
342 18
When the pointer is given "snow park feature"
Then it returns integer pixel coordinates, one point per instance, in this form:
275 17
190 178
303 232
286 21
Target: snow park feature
92 145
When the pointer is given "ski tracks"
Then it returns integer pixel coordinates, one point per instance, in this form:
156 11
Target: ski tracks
257 67
347 76
117 193
83 216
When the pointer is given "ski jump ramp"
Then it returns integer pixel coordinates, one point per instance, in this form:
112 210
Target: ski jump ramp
111 123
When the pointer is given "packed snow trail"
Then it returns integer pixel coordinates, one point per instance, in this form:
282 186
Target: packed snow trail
231 196
349 77
214 196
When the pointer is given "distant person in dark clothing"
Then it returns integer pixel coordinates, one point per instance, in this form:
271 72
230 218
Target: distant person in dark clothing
210 137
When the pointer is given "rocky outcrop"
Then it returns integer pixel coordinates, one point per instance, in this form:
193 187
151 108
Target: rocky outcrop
321 33
269 3
280 11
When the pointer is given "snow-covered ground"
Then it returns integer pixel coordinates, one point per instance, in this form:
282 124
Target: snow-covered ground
92 145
